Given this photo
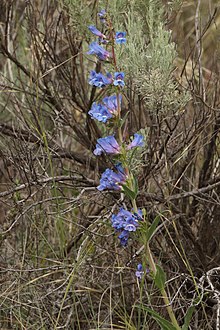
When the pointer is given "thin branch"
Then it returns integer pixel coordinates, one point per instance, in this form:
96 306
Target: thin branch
48 180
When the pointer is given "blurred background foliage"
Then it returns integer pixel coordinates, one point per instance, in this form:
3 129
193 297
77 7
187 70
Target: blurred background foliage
61 265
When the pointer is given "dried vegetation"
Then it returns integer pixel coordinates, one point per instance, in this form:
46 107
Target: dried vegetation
61 266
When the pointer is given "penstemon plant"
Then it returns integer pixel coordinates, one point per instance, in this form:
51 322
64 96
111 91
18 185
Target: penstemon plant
108 111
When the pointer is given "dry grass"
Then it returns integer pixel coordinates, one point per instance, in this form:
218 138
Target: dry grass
61 265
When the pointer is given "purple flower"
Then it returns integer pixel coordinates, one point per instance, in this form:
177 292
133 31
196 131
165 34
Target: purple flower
99 80
125 222
124 236
119 221
102 15
96 49
95 31
119 79
111 103
112 180
140 272
99 112
105 111
107 144
138 141
131 224
120 37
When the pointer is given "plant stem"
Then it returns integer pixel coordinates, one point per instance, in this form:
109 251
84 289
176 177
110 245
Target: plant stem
163 291
133 201
118 89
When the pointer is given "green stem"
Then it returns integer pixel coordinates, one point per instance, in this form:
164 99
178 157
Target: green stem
134 204
163 291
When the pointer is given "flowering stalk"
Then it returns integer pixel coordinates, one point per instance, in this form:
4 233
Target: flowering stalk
116 70
109 112
133 201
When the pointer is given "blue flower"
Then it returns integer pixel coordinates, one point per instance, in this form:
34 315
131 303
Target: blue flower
102 15
119 79
112 180
124 236
107 144
138 141
96 49
119 221
125 222
99 112
131 224
99 80
140 272
95 31
111 103
105 111
120 37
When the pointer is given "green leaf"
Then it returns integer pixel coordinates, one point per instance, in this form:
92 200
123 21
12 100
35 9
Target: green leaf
122 121
133 151
135 185
188 317
160 278
164 324
129 193
153 227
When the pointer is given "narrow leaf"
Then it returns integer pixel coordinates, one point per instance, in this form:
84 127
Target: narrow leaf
188 317
164 324
135 185
153 227
160 278
122 121
129 193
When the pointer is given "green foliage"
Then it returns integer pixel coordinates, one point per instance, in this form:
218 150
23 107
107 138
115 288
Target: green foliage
150 54
80 13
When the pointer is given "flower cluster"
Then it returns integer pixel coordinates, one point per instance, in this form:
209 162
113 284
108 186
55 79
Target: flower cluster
125 222
108 111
